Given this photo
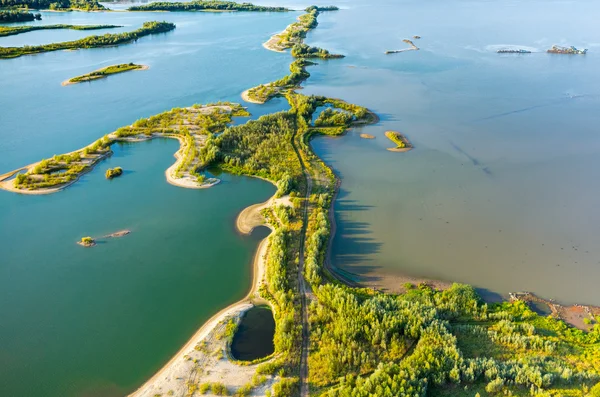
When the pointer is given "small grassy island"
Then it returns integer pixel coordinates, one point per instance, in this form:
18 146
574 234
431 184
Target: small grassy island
105 72
87 242
402 142
106 40
56 5
113 172
204 5
13 30
18 16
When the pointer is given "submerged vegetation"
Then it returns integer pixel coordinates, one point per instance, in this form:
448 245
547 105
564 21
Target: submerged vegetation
91 41
60 5
12 30
105 72
204 5
18 16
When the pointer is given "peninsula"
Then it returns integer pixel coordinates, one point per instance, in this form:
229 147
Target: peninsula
13 30
333 339
106 40
105 72
292 37
194 127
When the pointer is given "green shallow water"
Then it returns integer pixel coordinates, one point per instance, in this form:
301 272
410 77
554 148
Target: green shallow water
98 321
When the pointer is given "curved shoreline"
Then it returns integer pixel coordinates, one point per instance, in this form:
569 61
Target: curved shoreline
250 300
246 97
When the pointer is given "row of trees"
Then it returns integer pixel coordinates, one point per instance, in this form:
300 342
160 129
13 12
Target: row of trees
86 5
18 16
91 41
201 5
13 30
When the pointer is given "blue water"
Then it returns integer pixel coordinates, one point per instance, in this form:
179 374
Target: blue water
499 191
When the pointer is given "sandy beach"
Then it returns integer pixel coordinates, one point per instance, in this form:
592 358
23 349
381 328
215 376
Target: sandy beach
181 367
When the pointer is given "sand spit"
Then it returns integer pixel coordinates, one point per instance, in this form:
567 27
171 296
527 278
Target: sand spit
206 357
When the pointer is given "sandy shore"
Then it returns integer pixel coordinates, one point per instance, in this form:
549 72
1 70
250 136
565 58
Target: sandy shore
247 98
172 375
92 78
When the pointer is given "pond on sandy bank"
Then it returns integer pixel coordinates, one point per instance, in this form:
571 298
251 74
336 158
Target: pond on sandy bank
254 336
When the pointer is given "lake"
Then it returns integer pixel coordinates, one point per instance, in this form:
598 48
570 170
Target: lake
499 191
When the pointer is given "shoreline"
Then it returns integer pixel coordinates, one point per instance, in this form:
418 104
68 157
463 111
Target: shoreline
250 300
93 78
247 98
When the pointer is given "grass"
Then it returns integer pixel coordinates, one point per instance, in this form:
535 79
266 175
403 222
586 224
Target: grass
105 72
14 30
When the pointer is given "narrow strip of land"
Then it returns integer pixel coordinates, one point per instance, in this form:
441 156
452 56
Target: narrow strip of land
14 30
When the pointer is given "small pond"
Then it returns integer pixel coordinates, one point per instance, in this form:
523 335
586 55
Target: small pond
254 336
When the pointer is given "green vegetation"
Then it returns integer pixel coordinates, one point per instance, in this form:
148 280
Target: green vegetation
87 241
194 126
201 5
91 41
113 172
400 141
291 37
304 51
62 5
105 72
12 30
18 16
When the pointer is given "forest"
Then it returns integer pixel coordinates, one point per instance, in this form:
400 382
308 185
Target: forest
201 5
18 16
13 30
91 41
84 5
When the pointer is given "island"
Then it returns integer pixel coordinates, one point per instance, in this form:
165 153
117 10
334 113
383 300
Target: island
333 337
412 47
402 142
55 5
113 172
13 30
367 136
204 5
104 72
87 242
106 40
18 16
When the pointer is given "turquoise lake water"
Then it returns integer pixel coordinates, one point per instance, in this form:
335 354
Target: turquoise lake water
500 191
